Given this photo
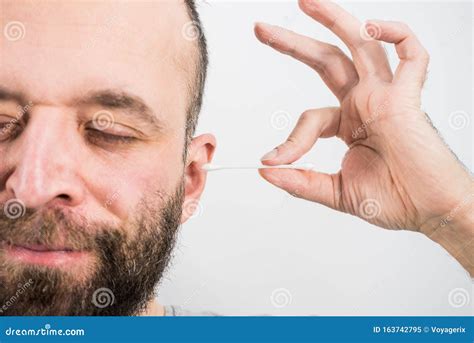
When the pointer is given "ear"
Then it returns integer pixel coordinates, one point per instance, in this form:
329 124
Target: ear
200 151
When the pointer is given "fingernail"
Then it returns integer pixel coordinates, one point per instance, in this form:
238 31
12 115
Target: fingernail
270 155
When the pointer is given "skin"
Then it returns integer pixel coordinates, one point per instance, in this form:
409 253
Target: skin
398 159
396 162
57 159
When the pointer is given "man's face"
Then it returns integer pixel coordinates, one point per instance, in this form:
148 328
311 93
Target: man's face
93 100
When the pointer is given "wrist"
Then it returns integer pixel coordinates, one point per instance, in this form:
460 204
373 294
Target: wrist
455 232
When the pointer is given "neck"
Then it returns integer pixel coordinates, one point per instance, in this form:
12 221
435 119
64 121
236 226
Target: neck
153 309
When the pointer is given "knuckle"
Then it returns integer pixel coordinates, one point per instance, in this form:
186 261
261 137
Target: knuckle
305 116
292 141
424 56
328 53
292 49
295 145
404 26
335 49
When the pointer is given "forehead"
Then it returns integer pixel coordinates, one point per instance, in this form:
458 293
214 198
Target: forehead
53 50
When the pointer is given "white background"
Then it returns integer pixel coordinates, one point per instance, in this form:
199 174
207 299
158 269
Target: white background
250 239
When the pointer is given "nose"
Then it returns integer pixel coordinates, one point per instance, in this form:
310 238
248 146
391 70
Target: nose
44 164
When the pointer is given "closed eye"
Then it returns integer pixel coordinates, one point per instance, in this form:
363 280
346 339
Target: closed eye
9 130
97 136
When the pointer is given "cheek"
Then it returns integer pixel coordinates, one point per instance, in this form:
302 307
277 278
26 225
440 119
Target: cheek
124 185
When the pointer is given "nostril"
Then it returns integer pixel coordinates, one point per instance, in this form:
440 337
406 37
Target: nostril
64 197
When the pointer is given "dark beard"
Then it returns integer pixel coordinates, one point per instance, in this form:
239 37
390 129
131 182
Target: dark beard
124 278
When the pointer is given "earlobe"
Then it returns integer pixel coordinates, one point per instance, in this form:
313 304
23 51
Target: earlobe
200 151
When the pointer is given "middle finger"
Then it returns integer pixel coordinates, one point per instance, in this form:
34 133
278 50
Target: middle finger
368 55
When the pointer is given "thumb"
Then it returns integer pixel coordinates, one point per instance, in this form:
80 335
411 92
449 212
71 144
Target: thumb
306 184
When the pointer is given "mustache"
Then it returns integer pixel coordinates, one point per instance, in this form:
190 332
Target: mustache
54 227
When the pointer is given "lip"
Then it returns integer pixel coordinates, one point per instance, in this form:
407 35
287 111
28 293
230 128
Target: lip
43 255
43 248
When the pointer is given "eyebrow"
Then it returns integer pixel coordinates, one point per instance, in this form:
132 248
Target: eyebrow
119 99
108 98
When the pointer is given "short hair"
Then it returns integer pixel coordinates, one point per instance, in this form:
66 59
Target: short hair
198 84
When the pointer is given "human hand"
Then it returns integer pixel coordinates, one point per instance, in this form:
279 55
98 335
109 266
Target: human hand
397 173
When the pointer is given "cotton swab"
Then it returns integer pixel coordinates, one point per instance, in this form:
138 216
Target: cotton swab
213 167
